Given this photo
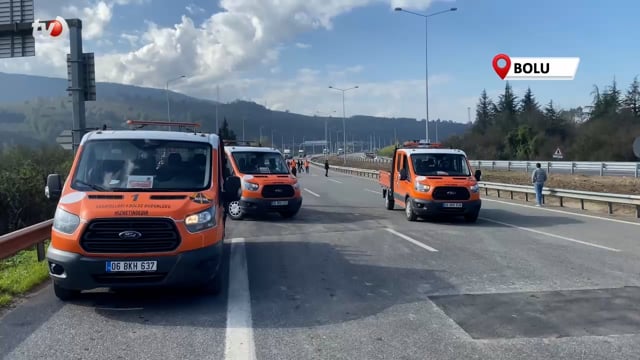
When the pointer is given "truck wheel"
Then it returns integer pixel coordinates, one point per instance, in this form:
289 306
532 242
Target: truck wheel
214 286
234 210
473 217
408 210
65 294
388 201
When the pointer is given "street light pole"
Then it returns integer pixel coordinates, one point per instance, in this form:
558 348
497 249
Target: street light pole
168 102
326 145
344 120
426 57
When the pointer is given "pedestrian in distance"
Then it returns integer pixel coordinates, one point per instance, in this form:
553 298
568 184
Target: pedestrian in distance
326 168
538 178
293 168
306 165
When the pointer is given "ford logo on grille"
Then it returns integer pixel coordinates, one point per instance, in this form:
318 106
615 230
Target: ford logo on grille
451 192
278 190
130 235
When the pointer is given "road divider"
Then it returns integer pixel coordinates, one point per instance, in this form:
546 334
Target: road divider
610 199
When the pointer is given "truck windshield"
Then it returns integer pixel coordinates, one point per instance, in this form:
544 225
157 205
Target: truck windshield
143 165
440 164
260 162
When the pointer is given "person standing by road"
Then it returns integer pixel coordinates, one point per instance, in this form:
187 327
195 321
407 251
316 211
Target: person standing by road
306 165
538 178
326 168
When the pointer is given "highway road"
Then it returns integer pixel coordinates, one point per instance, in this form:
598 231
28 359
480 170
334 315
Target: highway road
348 279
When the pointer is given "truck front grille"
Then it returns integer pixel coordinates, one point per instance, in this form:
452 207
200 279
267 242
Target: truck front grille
156 235
451 193
277 191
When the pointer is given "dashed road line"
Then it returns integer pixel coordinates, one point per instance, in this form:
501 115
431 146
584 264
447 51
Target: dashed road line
411 240
371 191
239 342
311 192
335 181
551 235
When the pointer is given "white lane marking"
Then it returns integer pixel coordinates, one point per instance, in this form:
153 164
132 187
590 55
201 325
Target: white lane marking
335 181
413 241
550 234
375 192
239 343
563 212
311 192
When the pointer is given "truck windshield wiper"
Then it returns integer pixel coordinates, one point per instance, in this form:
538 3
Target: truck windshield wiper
93 186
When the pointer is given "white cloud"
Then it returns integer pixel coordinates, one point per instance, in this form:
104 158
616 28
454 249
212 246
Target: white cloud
194 9
246 33
303 45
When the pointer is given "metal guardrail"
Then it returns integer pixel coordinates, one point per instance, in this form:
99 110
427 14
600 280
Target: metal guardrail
608 198
14 242
565 167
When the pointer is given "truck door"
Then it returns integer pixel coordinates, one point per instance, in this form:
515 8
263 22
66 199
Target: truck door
402 186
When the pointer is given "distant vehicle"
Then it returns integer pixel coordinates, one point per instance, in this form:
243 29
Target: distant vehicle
325 151
287 154
301 153
430 180
370 155
114 225
267 184
340 151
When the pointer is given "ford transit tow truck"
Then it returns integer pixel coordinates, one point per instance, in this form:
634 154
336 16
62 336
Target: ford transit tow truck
140 208
428 179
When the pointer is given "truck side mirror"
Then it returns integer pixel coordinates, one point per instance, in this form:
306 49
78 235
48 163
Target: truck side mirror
403 174
231 189
53 189
478 175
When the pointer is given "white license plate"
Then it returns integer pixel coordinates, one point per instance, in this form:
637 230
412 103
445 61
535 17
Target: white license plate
279 203
131 266
452 205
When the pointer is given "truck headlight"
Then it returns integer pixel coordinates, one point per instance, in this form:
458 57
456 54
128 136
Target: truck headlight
251 186
474 188
296 186
201 221
65 222
421 187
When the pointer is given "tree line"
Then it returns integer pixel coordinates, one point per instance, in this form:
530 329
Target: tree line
514 128
23 176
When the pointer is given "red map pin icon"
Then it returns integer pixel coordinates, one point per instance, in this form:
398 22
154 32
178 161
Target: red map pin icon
502 71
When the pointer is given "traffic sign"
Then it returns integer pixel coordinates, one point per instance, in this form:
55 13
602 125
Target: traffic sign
16 29
558 154
65 139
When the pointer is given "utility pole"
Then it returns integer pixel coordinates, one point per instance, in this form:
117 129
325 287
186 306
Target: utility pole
469 114
217 103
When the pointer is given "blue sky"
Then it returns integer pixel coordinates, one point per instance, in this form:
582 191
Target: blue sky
307 45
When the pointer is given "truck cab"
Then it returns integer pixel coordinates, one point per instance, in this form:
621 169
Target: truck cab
267 183
140 208
429 180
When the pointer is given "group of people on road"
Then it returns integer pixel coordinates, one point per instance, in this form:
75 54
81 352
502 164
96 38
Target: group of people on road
299 166
302 166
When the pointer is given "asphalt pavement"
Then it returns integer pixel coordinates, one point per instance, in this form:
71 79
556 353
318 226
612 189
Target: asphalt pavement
348 279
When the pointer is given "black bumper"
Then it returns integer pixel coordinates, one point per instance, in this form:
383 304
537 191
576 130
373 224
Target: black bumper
192 268
438 208
261 206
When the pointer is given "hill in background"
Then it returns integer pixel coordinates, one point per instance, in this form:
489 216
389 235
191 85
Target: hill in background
35 109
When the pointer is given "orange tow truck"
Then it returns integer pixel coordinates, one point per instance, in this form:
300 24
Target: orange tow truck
141 208
428 180
267 182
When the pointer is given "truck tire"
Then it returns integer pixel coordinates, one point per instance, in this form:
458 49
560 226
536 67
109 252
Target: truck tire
214 286
234 210
408 210
472 217
388 200
65 294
